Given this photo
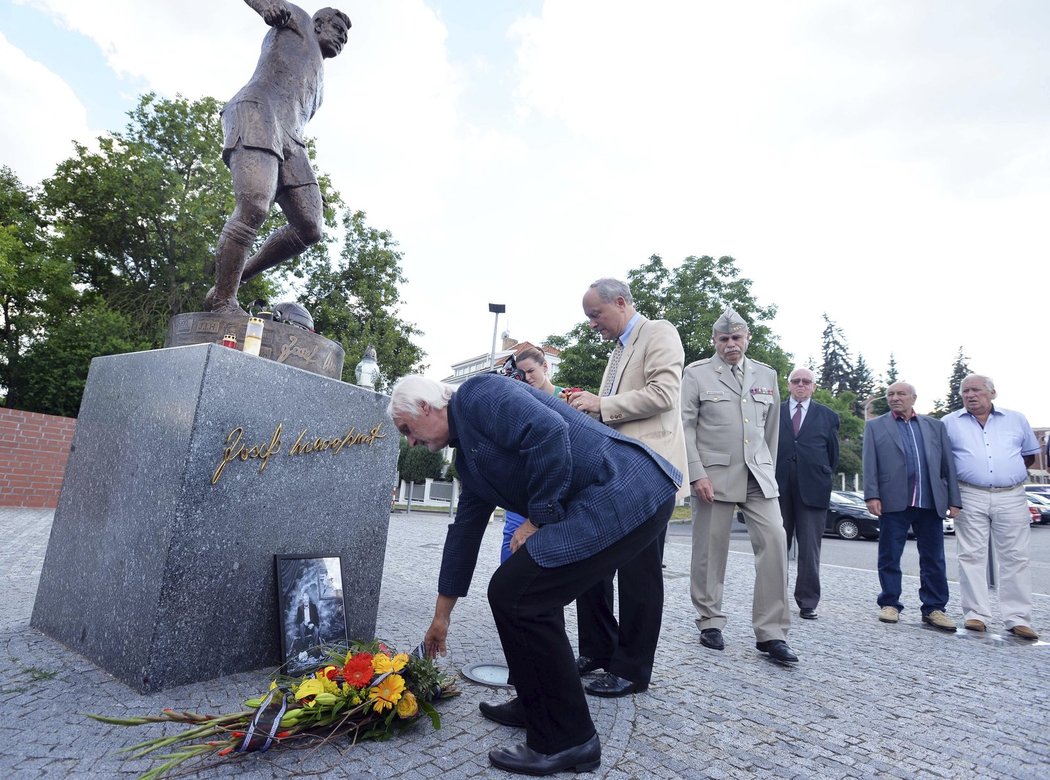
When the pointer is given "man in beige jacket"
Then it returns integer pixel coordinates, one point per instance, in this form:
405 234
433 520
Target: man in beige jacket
639 398
731 416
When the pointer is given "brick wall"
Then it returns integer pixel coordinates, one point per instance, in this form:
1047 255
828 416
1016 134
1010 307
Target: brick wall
33 453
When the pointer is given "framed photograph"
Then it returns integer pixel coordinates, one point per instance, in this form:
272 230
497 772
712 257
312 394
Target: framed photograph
310 606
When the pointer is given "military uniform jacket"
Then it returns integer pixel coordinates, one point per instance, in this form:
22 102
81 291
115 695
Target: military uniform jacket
731 430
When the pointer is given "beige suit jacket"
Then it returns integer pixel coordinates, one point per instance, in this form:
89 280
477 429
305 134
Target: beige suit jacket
646 391
730 430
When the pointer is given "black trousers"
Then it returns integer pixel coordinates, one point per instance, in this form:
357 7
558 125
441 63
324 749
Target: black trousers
626 648
806 525
527 602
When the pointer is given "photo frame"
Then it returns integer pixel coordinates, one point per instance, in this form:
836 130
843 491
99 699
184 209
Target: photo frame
311 610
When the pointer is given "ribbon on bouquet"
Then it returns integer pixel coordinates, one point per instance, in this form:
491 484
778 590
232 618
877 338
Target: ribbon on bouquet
267 720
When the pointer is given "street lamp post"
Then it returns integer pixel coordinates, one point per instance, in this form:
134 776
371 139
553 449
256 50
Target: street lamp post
497 309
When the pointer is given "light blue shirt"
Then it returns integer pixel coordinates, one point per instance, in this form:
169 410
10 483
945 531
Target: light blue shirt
630 326
992 455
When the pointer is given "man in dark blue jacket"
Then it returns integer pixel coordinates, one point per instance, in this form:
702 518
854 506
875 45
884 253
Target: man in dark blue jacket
599 500
807 456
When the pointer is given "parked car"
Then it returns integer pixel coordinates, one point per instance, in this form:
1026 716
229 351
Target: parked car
1038 490
848 517
948 524
1041 504
1036 518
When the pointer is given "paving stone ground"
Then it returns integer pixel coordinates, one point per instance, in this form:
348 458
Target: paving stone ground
867 700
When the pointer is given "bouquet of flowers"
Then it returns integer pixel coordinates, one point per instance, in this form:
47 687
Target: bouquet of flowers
368 691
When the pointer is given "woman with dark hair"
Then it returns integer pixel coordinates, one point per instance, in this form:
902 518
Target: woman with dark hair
532 362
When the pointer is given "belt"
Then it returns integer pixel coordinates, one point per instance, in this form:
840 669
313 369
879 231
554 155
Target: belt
990 489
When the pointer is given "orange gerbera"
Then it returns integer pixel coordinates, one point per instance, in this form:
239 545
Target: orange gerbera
358 670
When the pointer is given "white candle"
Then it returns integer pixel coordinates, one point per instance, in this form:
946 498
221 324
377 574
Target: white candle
253 336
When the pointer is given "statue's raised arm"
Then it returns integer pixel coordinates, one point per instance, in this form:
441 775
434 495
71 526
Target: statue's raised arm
265 149
275 13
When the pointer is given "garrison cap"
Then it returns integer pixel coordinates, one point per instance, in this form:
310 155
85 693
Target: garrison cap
730 322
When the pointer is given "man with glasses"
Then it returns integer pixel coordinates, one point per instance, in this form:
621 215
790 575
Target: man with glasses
807 457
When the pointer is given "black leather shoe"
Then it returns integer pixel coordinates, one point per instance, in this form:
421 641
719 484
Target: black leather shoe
611 686
712 637
587 665
778 650
526 761
510 713
807 614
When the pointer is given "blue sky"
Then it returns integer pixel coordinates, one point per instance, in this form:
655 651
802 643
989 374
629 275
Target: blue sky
884 162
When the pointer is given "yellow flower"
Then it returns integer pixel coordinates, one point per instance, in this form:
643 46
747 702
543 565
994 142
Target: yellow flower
381 663
387 693
408 707
310 687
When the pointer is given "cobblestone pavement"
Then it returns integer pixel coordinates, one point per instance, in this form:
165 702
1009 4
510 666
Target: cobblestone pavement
867 699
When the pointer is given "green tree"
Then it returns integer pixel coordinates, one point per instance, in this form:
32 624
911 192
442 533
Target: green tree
418 464
953 401
692 297
56 368
35 288
836 372
355 301
878 403
861 384
583 357
851 429
891 371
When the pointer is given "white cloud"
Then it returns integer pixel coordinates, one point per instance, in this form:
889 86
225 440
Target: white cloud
41 114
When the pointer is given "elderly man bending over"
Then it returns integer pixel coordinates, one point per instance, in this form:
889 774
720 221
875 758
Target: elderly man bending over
595 499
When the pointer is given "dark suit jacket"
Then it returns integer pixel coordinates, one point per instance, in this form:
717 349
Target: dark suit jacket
583 483
301 616
886 471
815 453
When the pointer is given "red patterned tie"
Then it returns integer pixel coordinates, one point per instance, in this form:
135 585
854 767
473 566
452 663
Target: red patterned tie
796 419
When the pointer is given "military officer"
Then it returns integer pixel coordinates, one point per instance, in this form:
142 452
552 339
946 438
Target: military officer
731 416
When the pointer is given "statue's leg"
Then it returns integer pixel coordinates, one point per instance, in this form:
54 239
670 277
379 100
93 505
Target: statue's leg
302 207
254 173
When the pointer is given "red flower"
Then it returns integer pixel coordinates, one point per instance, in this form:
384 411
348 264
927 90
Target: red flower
358 670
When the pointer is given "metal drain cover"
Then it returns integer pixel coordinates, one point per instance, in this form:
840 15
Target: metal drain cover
487 673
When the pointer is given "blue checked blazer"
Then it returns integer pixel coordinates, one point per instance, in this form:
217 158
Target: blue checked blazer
583 483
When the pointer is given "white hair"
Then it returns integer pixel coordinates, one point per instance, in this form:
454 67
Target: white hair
610 289
989 385
413 390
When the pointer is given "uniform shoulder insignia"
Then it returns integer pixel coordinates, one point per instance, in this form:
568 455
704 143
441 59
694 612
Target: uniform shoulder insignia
701 362
760 363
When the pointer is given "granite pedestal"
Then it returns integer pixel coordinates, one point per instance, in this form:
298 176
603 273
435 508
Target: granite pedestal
191 469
